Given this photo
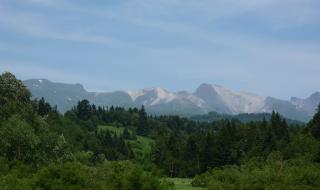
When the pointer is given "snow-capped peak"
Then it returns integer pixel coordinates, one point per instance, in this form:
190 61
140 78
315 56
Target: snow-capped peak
134 94
161 93
156 95
162 96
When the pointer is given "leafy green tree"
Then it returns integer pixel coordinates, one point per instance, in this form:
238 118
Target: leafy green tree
68 176
15 175
18 140
14 97
127 176
12 89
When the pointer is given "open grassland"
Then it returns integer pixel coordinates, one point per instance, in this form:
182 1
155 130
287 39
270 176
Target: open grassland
184 184
140 146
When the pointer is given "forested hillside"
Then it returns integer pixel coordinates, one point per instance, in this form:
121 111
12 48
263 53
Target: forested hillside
95 147
244 118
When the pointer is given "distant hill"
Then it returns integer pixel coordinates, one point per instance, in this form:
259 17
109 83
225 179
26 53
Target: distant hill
206 98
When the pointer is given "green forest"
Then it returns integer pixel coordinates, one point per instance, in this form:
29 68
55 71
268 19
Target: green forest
113 148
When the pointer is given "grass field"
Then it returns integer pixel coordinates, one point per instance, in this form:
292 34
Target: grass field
117 130
183 184
140 146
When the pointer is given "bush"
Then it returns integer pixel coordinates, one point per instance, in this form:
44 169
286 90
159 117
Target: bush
273 174
126 176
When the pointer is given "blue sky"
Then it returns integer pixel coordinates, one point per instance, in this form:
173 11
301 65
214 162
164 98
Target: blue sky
268 47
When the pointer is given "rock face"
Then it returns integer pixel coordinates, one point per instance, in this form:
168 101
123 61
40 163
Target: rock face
309 104
205 99
228 101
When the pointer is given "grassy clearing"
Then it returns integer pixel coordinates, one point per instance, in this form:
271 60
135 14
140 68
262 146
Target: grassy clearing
117 130
183 184
141 145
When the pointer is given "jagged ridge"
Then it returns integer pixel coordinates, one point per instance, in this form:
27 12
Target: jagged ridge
205 99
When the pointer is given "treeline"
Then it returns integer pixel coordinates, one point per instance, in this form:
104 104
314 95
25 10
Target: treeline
233 143
41 148
243 117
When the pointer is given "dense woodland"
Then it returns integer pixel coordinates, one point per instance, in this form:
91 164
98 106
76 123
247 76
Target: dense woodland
41 148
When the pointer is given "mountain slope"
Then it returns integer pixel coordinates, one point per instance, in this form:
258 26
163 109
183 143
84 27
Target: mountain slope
206 98
65 96
223 100
287 109
309 104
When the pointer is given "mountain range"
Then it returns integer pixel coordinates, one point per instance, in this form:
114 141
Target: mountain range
206 98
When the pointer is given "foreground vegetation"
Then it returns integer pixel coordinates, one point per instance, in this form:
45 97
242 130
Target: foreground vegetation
109 148
275 173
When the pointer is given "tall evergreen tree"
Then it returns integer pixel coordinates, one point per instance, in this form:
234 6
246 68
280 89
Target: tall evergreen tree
142 128
43 107
279 127
126 134
84 110
314 124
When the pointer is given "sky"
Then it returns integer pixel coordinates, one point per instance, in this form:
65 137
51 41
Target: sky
267 47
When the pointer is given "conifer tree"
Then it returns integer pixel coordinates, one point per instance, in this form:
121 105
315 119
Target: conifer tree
142 123
279 127
126 134
84 109
314 124
43 107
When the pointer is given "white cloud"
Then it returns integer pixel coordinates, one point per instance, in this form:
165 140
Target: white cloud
52 3
34 25
276 12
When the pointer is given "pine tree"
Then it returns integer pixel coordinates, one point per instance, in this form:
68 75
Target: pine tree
208 157
314 124
126 134
142 128
43 107
84 109
279 127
